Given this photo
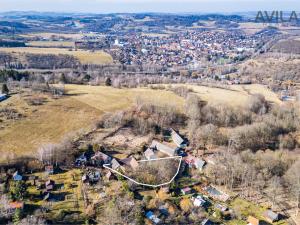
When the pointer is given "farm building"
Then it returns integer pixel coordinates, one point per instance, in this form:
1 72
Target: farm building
163 148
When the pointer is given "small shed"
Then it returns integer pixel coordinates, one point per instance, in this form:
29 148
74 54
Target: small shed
199 201
17 176
15 205
115 164
186 190
100 158
177 139
207 222
163 148
151 216
271 216
81 160
252 220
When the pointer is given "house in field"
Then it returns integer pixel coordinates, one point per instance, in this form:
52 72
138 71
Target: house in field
50 197
115 165
17 176
149 154
253 221
32 180
151 216
49 169
177 139
49 185
109 175
271 216
130 162
3 97
216 193
81 160
186 190
91 176
199 201
100 158
220 207
163 148
195 162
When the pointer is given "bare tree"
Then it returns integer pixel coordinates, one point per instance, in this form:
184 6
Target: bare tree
292 176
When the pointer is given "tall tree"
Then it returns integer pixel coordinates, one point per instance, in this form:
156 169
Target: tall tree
293 178
4 89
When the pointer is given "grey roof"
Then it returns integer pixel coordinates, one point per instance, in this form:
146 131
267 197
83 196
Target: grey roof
271 215
163 148
115 164
177 139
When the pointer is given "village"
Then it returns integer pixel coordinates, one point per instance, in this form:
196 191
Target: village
90 182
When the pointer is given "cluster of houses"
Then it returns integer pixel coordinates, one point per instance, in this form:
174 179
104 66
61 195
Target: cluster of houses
155 151
184 48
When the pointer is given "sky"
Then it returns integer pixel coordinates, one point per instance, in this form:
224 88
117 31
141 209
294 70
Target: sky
131 6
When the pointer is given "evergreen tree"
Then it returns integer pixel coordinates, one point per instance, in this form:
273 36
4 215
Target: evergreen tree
17 216
5 89
108 82
63 78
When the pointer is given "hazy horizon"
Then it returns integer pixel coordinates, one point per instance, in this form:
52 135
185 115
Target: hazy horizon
147 6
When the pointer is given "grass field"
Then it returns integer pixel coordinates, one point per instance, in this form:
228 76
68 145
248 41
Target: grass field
237 95
74 36
54 44
49 123
85 104
85 57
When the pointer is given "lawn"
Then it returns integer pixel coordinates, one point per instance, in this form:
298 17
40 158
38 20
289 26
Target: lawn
245 209
55 44
68 183
85 57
